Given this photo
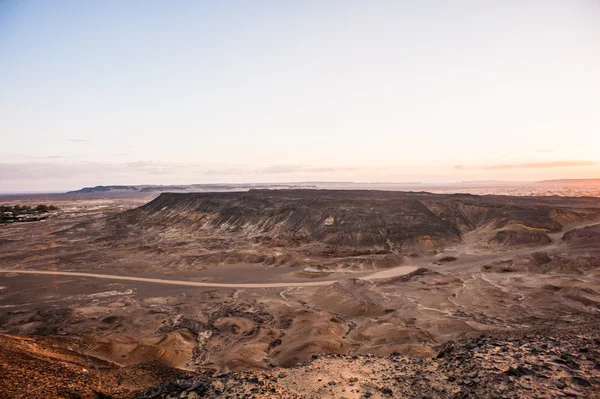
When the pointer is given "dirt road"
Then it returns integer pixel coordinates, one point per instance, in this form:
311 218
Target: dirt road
398 271
463 263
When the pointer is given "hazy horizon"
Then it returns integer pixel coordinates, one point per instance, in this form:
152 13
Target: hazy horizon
448 186
109 93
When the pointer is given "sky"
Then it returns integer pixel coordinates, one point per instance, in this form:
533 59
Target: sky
174 92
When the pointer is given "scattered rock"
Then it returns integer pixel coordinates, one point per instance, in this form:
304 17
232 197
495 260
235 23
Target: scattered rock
559 384
581 381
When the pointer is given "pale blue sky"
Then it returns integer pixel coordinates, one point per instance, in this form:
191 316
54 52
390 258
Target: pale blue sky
132 92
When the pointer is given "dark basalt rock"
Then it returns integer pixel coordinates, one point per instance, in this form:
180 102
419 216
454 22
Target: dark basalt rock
383 220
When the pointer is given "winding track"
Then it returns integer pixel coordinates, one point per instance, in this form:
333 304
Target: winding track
394 272
398 271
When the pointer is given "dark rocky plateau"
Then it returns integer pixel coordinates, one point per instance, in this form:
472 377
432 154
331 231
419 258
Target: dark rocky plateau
380 220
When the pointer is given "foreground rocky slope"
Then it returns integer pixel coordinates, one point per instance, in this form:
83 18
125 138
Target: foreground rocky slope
50 368
533 364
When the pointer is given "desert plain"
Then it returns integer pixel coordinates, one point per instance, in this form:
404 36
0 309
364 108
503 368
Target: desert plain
301 293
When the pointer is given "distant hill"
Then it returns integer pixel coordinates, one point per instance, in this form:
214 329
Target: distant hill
190 188
102 189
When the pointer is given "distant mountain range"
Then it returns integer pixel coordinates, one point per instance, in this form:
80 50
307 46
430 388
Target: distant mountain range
192 188
402 186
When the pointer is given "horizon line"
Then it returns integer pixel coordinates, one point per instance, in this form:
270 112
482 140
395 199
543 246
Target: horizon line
402 183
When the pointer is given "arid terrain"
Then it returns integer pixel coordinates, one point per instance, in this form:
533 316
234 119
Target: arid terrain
301 293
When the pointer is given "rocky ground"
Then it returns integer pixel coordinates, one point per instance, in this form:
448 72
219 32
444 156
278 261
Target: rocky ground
501 299
562 363
565 363
51 368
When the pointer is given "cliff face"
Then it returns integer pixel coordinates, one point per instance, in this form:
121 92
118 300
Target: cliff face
338 219
396 221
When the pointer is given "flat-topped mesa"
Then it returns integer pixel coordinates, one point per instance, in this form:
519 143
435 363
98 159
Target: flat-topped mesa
337 218
384 220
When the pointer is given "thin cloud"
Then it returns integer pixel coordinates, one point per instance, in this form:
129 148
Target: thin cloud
284 169
276 169
543 165
43 170
49 157
75 140
330 169
152 168
224 171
